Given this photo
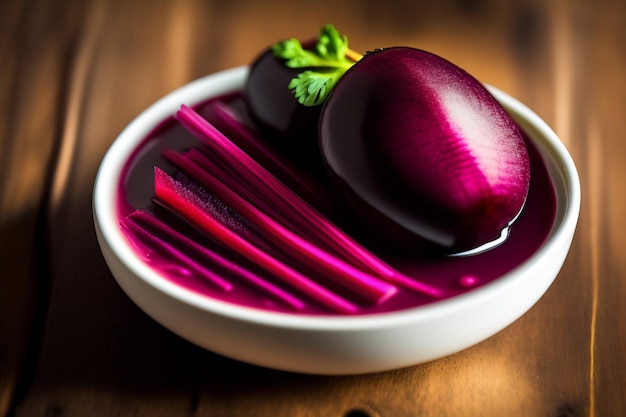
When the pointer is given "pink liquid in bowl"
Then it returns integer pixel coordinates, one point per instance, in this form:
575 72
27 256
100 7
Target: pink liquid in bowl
452 275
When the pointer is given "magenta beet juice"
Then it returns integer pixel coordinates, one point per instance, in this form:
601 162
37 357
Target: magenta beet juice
450 275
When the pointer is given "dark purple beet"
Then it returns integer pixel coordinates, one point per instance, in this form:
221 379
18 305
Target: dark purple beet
423 150
291 126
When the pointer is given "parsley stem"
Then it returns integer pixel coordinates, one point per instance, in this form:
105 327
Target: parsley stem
353 55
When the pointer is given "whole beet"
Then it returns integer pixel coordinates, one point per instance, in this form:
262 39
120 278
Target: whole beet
290 126
423 151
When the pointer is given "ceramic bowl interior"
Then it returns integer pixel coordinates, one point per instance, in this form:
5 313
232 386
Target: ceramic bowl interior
331 345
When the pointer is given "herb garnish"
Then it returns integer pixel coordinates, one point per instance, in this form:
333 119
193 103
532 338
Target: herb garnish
323 66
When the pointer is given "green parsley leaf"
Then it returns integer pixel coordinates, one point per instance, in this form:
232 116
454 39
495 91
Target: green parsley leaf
312 87
322 66
331 44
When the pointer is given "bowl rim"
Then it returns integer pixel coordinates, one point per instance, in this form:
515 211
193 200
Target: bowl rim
225 81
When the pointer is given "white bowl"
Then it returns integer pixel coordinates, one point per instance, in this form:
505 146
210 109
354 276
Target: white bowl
332 345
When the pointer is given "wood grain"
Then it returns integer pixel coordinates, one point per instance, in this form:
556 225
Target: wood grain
75 73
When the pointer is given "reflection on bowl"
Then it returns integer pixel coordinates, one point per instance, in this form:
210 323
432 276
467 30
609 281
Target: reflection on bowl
332 344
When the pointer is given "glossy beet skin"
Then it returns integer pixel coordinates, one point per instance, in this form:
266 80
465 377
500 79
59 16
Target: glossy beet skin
423 151
291 126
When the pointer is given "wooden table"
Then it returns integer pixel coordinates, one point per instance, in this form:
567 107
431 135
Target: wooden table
73 74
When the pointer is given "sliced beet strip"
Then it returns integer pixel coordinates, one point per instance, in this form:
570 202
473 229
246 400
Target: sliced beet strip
187 205
269 187
365 285
207 263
